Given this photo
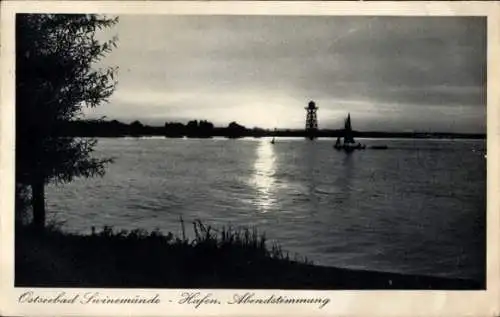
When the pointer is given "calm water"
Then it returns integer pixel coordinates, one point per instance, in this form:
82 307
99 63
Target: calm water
418 207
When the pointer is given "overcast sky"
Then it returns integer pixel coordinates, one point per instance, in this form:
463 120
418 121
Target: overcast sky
390 73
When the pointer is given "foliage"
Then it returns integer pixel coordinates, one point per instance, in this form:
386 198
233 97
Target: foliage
213 258
241 241
56 78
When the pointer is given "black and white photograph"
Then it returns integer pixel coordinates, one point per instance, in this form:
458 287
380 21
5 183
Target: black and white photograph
250 152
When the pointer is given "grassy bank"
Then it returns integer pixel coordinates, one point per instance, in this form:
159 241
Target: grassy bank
224 258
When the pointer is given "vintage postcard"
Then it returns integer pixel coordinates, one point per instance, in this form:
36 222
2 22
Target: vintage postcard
249 158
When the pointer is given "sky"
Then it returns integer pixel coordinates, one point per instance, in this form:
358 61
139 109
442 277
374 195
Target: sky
390 73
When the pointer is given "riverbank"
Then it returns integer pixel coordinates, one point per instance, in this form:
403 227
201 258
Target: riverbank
205 129
225 258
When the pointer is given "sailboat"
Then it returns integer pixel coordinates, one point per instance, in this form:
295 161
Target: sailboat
274 138
348 143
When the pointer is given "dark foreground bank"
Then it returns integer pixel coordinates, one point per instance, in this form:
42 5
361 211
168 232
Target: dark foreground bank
227 258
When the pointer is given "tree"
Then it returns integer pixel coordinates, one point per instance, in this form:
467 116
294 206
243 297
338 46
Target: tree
192 125
136 128
56 78
235 130
235 126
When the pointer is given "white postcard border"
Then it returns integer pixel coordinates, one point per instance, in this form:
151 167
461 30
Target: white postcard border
342 303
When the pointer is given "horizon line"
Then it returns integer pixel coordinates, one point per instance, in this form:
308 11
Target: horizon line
104 119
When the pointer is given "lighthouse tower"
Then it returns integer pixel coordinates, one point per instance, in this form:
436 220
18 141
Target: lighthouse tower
311 120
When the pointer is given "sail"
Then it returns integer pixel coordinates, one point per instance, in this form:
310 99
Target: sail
348 138
338 142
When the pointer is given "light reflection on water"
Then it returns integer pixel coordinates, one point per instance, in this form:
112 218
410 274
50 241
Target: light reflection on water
418 207
263 178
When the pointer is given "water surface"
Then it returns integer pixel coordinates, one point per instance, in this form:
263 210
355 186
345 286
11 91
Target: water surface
418 207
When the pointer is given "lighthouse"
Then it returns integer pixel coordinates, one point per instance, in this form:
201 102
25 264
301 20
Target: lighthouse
311 120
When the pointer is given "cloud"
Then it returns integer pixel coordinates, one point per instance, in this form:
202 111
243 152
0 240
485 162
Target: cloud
227 67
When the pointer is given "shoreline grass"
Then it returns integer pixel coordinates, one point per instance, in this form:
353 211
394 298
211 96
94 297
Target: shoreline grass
237 258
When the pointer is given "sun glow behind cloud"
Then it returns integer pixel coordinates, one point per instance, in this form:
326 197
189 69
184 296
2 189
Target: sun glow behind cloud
390 73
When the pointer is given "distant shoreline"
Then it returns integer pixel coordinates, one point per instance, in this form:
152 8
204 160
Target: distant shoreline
289 137
205 130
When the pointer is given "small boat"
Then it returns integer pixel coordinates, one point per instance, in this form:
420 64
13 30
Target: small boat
338 143
274 138
349 144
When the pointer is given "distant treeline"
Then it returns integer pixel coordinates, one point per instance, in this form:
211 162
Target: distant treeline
206 129
193 129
